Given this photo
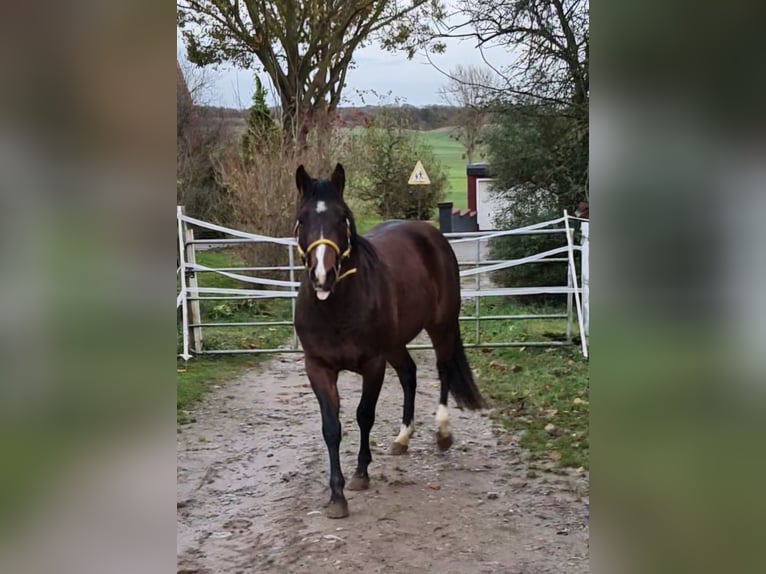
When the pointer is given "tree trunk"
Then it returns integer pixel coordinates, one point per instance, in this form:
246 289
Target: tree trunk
297 123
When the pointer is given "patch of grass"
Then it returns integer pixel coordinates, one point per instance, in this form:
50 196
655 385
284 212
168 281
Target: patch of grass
246 337
450 153
196 377
516 330
532 388
239 311
367 222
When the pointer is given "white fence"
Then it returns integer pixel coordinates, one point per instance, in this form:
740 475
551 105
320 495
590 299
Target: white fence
470 258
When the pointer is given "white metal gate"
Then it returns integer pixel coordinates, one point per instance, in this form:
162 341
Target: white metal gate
469 247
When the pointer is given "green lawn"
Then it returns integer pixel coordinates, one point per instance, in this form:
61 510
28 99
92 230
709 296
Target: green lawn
367 222
533 387
450 152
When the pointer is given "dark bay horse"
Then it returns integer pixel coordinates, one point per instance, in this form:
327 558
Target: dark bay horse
360 302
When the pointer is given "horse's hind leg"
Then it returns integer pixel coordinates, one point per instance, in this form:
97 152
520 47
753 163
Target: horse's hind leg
443 431
372 376
456 378
443 342
406 370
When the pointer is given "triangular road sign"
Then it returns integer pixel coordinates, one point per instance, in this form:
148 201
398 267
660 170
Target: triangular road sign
419 175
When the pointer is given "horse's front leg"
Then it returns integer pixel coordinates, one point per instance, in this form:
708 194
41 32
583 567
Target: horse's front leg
373 373
324 382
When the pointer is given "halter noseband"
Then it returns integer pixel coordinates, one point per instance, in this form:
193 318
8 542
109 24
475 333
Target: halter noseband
345 255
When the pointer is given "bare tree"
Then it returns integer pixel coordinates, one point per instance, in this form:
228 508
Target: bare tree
305 47
198 136
549 41
551 38
184 102
470 88
199 81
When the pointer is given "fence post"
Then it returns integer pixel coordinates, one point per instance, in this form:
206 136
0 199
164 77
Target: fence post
570 300
184 293
478 288
573 273
291 259
585 274
196 315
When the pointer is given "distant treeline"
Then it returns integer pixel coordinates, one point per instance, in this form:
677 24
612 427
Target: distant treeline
422 118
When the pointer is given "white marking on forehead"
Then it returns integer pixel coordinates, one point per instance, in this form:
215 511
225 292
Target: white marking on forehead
404 434
321 206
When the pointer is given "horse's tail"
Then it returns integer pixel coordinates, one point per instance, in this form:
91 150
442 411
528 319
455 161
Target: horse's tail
461 383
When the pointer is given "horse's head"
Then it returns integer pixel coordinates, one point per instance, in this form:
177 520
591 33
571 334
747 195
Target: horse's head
323 228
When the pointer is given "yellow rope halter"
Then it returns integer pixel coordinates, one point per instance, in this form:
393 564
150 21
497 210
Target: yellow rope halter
345 255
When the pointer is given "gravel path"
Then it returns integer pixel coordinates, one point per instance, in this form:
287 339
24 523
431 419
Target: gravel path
252 482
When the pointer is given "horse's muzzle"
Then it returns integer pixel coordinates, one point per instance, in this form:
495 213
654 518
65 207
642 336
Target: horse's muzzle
323 286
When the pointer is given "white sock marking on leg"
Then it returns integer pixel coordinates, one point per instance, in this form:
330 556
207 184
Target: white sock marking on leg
404 434
442 419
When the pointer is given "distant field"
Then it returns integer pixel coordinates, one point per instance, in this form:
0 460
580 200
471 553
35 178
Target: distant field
450 153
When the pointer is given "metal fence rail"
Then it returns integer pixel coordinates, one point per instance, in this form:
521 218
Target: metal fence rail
471 264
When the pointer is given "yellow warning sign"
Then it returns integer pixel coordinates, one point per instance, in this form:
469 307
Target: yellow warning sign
419 175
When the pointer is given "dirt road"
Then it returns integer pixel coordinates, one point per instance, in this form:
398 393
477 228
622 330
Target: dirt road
252 483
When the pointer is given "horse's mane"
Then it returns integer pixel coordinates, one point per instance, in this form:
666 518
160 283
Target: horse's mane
359 243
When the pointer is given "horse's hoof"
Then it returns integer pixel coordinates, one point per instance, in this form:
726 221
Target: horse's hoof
359 483
443 441
397 448
337 509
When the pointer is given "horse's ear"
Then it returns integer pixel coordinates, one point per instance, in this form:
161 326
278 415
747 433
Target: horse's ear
338 179
302 180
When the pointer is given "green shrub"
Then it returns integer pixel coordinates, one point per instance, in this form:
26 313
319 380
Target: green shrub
391 150
539 159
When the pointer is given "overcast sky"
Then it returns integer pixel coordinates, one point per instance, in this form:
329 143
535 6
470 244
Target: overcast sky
415 81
